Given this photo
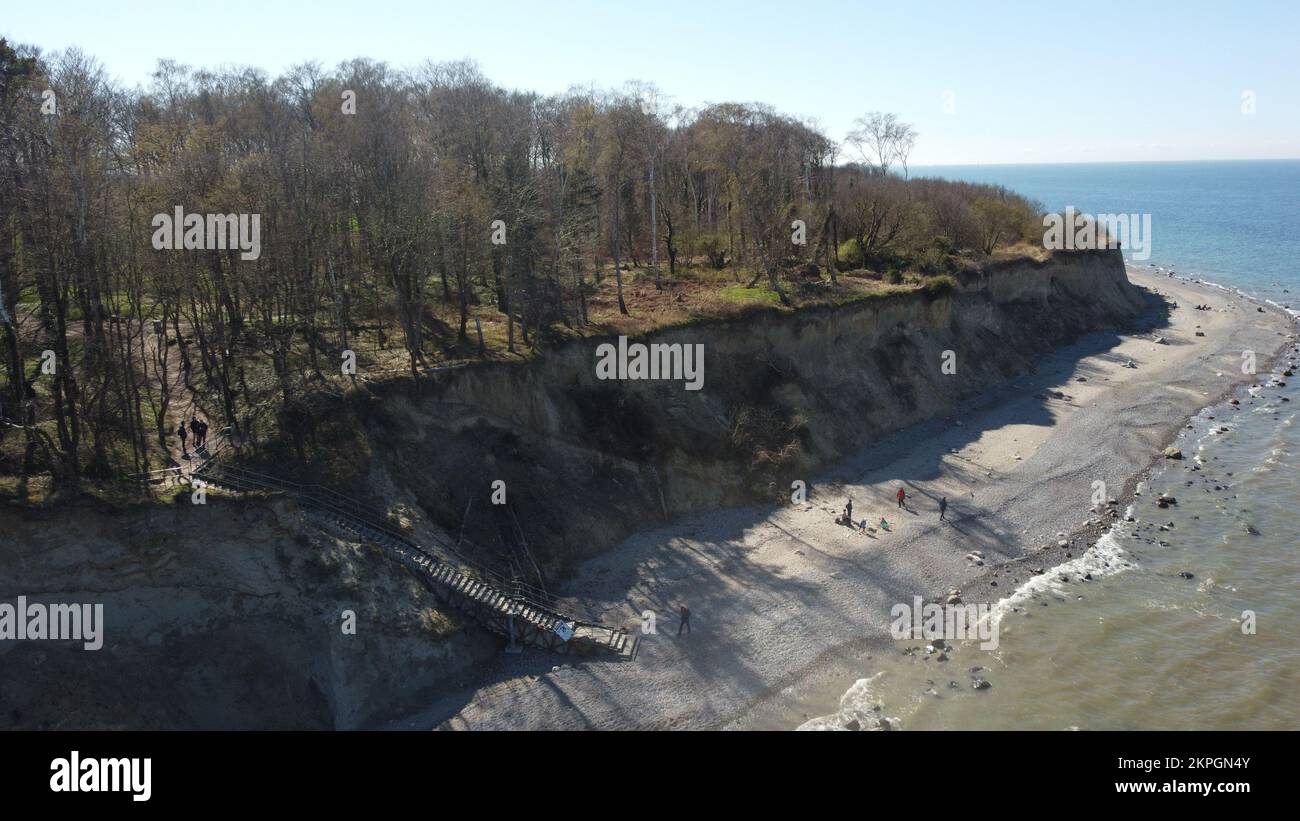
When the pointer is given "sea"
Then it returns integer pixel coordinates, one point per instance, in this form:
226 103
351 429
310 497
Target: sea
1189 619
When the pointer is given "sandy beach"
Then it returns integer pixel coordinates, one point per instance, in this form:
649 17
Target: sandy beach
776 594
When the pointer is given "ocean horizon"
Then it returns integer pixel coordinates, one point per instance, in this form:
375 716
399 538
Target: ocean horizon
1232 222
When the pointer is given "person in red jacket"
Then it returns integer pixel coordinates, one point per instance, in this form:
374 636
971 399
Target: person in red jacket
901 496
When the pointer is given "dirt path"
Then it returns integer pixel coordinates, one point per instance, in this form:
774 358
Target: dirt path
182 400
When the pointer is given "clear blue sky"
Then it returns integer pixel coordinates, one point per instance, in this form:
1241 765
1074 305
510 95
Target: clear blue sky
1030 81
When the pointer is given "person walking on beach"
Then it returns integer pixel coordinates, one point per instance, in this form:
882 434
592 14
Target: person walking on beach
180 431
901 495
943 507
685 613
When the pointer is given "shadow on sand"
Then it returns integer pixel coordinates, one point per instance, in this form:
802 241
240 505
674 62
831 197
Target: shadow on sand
718 566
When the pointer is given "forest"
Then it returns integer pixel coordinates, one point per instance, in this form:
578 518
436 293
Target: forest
406 220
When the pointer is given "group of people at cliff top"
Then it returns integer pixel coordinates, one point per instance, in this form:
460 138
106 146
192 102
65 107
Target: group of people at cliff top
846 518
200 430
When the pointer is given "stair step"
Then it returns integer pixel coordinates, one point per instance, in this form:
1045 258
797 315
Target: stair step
538 613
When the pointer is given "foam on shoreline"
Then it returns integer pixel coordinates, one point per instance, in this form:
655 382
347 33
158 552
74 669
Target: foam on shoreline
1106 557
1218 286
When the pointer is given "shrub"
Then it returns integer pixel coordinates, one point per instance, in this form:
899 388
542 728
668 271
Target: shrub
934 286
934 261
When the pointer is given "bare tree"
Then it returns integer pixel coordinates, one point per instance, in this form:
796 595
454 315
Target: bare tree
881 139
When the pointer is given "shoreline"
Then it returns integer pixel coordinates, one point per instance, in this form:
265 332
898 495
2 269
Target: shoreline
1053 554
775 591
822 691
838 672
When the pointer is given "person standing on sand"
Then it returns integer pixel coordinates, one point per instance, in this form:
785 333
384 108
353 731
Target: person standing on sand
943 507
685 613
901 495
848 512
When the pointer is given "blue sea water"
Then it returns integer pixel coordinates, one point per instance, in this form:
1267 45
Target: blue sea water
1197 629
1236 223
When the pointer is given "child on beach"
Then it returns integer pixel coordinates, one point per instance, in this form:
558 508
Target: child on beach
883 524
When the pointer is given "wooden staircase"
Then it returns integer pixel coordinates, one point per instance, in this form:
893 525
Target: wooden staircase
523 614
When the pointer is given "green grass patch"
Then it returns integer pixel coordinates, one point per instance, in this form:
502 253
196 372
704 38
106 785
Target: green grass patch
748 296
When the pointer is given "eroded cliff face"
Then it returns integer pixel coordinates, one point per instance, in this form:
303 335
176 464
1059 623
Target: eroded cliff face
229 614
586 461
226 615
